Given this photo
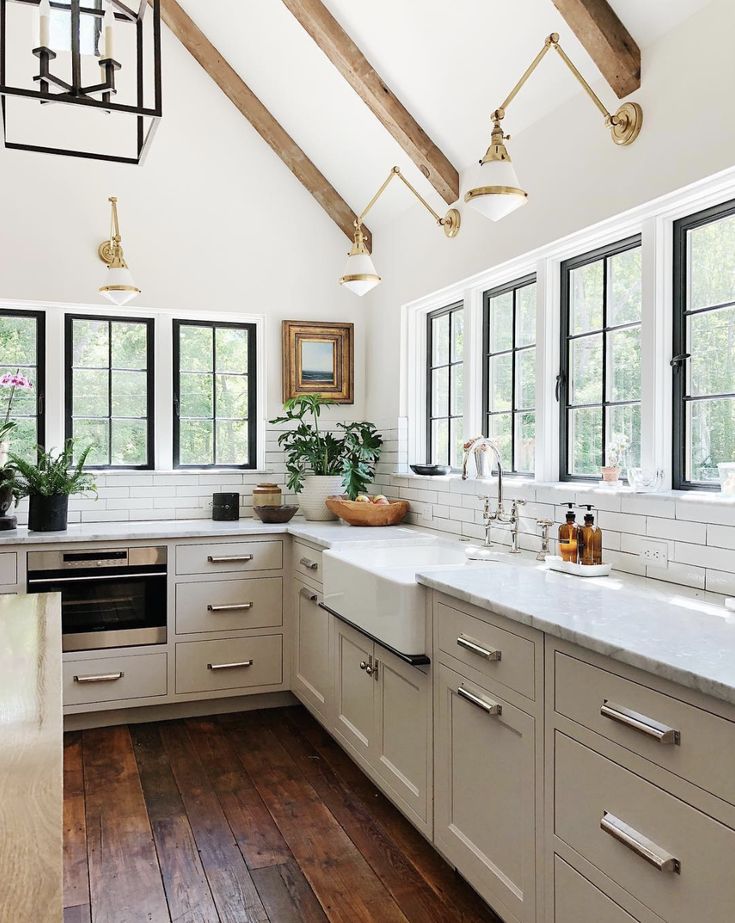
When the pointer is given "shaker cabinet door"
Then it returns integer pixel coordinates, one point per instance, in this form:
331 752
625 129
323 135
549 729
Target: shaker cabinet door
312 674
354 689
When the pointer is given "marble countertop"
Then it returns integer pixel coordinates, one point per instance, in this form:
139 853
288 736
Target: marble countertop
30 757
323 534
648 624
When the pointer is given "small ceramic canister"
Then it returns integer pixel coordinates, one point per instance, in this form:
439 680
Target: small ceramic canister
267 495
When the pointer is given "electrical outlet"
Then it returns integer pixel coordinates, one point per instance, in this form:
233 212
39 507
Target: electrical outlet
655 554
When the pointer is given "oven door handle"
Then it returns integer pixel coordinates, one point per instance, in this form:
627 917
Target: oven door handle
36 580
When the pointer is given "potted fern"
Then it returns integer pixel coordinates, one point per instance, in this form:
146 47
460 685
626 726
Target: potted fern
321 464
49 483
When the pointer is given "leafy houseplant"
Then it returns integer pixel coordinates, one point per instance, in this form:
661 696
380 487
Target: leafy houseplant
9 490
319 463
14 381
49 483
615 456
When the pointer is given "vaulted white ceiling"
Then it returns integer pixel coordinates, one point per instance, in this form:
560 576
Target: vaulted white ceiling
450 64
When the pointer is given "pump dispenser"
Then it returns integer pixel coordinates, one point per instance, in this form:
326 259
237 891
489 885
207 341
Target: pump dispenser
590 540
569 537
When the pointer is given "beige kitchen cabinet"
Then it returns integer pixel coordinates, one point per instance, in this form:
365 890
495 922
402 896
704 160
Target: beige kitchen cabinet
312 673
383 715
485 792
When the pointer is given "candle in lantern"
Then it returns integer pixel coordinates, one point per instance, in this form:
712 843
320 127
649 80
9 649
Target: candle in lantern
108 25
44 16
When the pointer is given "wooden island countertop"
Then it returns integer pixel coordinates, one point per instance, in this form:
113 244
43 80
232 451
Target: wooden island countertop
31 759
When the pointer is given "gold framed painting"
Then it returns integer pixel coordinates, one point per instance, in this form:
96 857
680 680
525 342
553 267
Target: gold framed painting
318 358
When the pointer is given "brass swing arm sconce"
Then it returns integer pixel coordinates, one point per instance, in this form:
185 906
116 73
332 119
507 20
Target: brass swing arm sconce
624 125
450 222
360 275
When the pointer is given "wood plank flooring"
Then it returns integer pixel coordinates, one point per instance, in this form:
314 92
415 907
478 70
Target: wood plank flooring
257 817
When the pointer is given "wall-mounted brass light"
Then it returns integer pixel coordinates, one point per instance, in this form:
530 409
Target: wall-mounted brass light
119 287
495 191
360 275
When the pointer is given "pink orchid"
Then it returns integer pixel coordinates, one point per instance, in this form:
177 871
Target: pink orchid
14 380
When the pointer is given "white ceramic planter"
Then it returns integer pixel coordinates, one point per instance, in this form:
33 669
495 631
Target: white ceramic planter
316 490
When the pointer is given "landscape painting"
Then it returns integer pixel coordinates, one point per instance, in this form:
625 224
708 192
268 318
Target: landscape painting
318 358
317 361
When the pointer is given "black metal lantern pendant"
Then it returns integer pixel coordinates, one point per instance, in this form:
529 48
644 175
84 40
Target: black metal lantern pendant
93 59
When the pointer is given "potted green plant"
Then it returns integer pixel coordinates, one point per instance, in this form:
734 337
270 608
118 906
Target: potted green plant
321 464
14 381
9 490
49 483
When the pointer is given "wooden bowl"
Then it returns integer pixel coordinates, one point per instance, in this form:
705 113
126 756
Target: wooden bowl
368 514
275 514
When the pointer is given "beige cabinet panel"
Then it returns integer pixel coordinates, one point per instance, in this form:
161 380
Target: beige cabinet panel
579 901
501 655
484 794
590 788
312 674
403 725
109 679
229 557
229 605
582 690
232 663
8 567
354 688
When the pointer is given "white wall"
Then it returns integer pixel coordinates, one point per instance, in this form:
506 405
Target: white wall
575 177
213 221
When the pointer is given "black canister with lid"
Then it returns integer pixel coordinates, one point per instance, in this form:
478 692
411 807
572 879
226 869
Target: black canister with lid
225 507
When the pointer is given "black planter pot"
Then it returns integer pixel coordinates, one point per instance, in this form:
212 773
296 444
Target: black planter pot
48 514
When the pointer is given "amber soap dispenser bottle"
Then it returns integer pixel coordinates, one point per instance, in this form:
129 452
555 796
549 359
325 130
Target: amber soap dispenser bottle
590 540
569 537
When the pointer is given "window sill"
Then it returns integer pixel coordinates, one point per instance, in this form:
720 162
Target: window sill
681 496
182 472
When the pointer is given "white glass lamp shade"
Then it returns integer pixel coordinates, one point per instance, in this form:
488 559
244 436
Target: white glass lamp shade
359 275
493 189
119 287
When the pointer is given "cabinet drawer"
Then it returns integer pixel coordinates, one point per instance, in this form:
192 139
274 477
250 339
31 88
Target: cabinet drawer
583 692
232 663
228 557
108 679
590 789
576 900
229 605
495 652
307 561
8 567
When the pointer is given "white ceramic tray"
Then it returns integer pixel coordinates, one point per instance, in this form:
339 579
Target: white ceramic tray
579 570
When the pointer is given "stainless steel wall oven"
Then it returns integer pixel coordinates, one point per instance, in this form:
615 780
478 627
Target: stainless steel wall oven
112 597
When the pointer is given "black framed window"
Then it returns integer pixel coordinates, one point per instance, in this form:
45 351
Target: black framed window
509 372
214 395
445 386
22 349
704 346
599 384
109 389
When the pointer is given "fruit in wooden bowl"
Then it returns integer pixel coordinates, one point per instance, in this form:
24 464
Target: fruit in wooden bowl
378 511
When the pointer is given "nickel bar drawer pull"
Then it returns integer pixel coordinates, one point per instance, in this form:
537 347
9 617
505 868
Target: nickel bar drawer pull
99 678
229 666
488 653
639 844
637 722
307 594
229 558
229 607
309 564
490 708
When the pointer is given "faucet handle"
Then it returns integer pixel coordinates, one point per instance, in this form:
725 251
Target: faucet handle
545 522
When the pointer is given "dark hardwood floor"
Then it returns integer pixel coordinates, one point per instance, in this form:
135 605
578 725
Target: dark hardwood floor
257 817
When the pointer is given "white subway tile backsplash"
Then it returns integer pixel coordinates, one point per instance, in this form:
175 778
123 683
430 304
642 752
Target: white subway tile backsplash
622 522
721 582
721 536
705 556
675 529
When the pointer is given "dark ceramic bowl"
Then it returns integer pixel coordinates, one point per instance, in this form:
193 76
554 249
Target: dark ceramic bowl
430 470
275 514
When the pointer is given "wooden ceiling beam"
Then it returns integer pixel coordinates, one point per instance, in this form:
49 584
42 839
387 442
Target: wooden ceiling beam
372 89
270 130
607 41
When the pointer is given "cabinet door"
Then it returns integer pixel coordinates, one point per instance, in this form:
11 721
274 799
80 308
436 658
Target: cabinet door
312 676
485 794
403 729
354 689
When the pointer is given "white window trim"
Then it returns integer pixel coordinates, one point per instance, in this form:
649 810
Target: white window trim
654 222
163 379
